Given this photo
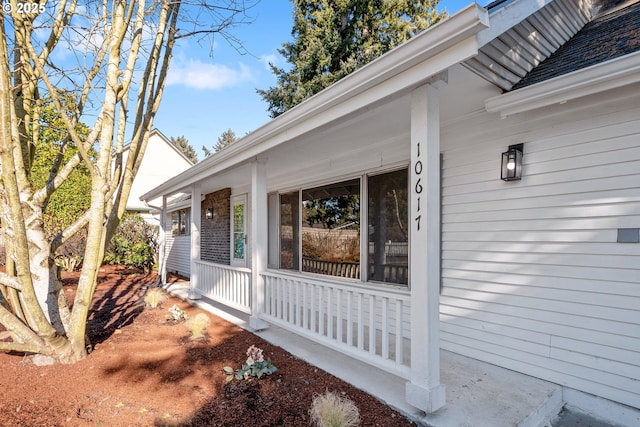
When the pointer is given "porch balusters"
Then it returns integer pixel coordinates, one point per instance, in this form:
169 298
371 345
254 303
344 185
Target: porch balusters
228 285
357 320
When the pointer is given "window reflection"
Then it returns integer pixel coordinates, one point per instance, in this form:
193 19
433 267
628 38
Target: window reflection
388 235
331 229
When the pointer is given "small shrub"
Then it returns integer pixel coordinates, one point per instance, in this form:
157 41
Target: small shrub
197 325
155 297
134 244
69 263
176 314
332 410
70 254
254 367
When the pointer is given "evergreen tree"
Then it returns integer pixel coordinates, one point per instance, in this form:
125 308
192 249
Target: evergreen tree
227 137
54 148
183 145
333 38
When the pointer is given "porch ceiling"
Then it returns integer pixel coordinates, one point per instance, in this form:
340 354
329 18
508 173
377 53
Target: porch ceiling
370 137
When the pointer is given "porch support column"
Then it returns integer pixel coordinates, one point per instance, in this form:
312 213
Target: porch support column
162 250
424 390
258 246
195 241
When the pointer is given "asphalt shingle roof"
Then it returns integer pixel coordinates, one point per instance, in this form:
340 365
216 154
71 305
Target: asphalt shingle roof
612 33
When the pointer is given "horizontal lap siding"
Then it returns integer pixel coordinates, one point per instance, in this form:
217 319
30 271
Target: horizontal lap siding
178 253
533 278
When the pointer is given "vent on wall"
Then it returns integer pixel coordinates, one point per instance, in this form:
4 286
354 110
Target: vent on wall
628 235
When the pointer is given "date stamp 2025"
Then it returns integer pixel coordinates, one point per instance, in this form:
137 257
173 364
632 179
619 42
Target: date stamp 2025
23 8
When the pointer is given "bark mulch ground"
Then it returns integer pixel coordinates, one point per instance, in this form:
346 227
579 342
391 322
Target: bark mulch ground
146 371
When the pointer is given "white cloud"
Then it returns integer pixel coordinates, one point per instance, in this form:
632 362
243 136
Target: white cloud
199 75
267 59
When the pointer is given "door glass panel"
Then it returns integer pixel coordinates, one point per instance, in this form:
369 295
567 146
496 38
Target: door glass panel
238 231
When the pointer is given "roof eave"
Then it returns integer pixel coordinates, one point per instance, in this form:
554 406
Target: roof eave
605 76
447 34
508 15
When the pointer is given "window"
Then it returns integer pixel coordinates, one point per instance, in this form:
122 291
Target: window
320 229
180 222
289 231
388 233
331 229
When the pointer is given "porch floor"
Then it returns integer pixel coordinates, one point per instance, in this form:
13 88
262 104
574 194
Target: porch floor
478 394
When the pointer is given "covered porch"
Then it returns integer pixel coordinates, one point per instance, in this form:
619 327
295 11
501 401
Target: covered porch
380 124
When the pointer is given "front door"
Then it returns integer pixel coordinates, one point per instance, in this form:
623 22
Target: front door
239 230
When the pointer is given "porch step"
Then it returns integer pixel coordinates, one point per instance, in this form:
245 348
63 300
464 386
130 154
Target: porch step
478 394
481 394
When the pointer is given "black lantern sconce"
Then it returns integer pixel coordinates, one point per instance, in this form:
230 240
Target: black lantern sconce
209 213
512 163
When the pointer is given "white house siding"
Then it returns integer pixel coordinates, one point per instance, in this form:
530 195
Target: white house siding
177 252
533 279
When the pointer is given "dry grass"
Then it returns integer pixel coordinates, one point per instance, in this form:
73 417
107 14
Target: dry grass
332 410
331 245
197 325
155 297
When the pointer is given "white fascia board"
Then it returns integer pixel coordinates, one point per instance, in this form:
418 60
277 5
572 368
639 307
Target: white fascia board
598 78
442 45
508 16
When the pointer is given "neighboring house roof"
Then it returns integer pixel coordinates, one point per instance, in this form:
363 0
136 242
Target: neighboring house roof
614 32
168 142
162 160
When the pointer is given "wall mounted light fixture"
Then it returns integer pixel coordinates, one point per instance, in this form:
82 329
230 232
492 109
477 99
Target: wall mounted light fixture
209 213
512 163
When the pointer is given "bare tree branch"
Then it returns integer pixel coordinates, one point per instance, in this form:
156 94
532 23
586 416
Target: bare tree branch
9 281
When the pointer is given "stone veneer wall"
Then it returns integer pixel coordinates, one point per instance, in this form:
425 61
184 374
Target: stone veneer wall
215 232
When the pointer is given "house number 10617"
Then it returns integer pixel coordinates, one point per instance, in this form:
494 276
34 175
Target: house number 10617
417 168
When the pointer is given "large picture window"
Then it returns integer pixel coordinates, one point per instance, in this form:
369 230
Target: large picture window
180 222
331 229
320 229
388 236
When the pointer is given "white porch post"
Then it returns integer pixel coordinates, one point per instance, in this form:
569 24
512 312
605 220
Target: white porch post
259 242
424 390
162 250
195 241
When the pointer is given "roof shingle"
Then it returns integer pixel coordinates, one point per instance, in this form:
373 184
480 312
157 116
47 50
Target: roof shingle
613 33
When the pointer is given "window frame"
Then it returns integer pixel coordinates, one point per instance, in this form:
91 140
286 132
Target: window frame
364 225
184 222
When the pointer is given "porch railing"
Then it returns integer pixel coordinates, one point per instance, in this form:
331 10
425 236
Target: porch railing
350 270
228 285
369 324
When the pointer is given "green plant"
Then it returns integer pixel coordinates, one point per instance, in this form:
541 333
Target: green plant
155 297
134 244
332 410
254 367
176 314
197 325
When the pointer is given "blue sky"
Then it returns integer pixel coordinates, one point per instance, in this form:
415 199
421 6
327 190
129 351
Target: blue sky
209 92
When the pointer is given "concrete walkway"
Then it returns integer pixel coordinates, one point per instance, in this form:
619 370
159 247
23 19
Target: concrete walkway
478 394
